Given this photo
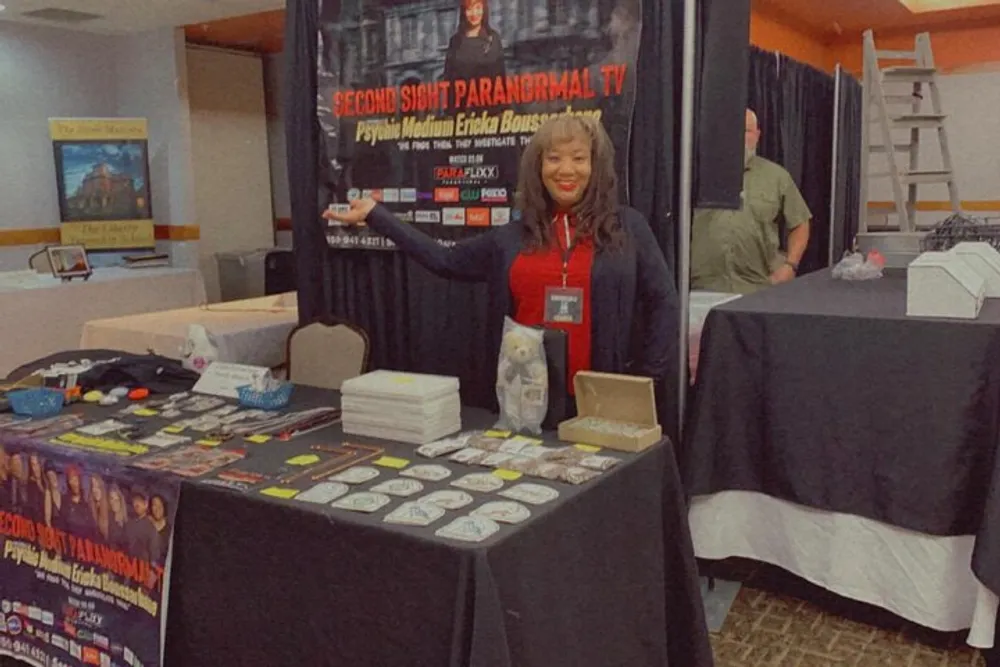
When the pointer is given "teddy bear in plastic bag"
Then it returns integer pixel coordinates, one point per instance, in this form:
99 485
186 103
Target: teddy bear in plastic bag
522 378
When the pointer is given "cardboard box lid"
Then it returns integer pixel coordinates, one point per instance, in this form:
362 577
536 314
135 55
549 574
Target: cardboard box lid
623 398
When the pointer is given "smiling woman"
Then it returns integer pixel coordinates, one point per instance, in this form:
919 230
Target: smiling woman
572 240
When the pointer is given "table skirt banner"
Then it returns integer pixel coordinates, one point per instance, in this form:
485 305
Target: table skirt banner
81 582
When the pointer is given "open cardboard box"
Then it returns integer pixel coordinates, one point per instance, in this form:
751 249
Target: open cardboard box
618 400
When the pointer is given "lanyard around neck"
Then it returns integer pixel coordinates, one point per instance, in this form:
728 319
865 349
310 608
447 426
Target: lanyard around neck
567 249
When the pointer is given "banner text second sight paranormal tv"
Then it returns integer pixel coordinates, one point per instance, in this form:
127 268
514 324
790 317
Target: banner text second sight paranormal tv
426 106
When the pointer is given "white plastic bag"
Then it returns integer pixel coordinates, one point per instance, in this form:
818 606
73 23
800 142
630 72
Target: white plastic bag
855 266
522 378
200 349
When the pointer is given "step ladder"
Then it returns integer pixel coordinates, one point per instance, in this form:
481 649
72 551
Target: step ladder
893 100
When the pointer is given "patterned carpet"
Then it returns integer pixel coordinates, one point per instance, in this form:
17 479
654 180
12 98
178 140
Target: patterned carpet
770 630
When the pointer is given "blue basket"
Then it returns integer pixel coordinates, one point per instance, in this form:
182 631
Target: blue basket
36 402
273 399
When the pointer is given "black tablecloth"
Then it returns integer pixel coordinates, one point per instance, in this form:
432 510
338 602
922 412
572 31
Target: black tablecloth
823 393
586 581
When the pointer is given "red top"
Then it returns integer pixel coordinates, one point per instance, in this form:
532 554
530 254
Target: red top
532 272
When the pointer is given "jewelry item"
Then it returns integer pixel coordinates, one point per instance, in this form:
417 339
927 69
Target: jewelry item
415 514
429 473
468 456
469 529
399 487
533 494
601 463
448 499
483 482
358 475
503 511
363 502
323 493
577 475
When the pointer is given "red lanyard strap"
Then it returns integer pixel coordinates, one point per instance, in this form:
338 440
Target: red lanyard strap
567 249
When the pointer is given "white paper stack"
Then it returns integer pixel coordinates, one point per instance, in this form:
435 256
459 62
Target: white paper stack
406 407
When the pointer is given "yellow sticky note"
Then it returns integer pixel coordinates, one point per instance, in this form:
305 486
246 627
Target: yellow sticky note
145 412
509 475
403 379
258 439
209 443
172 429
391 462
587 448
497 434
278 492
303 460
530 441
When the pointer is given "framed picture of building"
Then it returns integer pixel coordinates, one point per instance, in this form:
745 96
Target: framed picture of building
102 179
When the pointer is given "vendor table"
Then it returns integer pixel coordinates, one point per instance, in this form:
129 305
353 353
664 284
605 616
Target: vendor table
588 580
42 315
822 395
249 331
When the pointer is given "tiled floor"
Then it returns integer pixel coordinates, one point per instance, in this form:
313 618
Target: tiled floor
768 630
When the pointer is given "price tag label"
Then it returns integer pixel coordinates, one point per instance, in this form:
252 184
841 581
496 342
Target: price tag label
391 462
278 492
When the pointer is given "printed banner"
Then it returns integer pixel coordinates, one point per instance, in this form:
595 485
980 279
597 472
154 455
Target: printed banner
102 173
83 548
426 106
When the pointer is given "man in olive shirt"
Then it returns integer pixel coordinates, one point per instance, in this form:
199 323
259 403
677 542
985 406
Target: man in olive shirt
737 251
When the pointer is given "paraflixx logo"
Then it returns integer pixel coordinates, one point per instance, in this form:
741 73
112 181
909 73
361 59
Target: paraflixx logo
481 172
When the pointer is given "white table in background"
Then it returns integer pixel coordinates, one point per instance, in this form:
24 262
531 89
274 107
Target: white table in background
249 331
40 315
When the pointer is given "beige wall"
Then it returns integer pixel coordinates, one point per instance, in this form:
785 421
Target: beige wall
231 170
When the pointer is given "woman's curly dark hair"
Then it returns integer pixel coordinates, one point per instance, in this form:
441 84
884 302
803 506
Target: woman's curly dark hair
597 211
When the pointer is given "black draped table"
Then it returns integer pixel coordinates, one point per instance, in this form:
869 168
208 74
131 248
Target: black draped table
588 580
822 395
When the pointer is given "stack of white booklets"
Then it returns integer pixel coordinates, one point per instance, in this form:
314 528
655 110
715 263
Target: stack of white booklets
406 407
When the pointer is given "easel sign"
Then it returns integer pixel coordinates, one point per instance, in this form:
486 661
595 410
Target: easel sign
222 378
69 261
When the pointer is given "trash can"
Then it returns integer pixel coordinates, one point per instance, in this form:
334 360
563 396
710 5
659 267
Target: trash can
241 274
279 271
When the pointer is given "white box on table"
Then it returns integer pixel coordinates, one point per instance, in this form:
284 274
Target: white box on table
942 284
985 260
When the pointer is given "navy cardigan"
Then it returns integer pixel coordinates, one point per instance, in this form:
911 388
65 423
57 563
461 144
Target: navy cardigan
622 284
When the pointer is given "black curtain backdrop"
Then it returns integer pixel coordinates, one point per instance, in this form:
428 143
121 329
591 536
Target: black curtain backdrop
721 100
304 165
795 106
848 191
421 323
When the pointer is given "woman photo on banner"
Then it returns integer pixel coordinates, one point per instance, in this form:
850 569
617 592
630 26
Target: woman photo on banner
117 518
36 488
475 50
570 239
77 513
53 498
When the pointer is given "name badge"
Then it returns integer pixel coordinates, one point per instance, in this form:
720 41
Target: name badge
563 305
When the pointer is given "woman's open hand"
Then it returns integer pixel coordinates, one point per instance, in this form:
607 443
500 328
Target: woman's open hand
358 213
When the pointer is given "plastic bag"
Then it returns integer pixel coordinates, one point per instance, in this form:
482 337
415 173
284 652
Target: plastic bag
522 378
855 266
